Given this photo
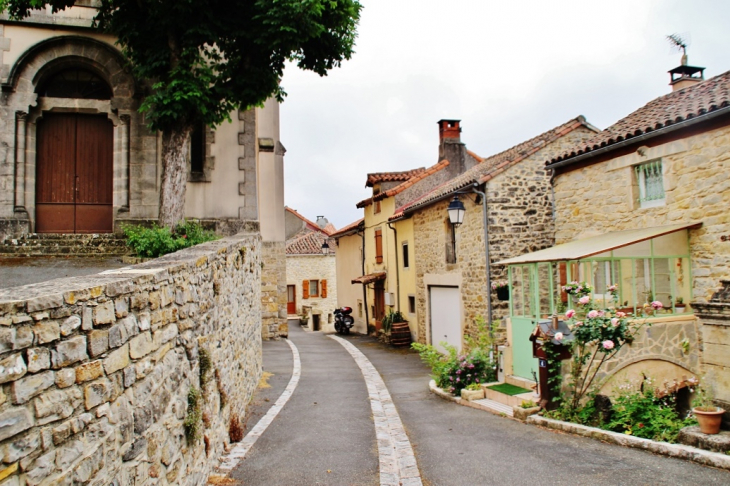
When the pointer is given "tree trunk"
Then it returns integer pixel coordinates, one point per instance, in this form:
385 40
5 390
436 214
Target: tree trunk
175 143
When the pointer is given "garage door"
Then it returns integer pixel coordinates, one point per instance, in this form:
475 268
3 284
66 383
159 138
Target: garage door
445 311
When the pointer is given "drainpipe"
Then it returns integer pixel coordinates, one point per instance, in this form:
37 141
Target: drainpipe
397 267
486 251
364 286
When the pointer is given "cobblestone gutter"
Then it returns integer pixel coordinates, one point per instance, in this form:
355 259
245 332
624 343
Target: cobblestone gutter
95 371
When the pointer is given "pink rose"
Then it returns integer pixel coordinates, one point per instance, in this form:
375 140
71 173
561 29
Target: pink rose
558 336
570 314
657 305
584 300
621 314
607 344
615 322
579 323
593 314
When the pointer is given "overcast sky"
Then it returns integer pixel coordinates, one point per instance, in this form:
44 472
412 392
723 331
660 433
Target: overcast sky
509 70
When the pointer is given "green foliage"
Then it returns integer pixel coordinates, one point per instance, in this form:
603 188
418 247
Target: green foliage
641 413
205 364
391 318
703 399
156 241
528 404
194 416
453 372
473 387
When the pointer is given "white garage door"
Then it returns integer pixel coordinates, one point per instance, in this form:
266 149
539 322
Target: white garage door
445 316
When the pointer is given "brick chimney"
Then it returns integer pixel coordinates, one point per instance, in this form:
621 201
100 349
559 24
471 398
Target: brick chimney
684 75
451 148
449 129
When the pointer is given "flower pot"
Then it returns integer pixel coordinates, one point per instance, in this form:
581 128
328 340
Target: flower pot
679 309
472 394
503 293
709 419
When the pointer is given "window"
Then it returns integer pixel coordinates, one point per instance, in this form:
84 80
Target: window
651 184
314 288
406 262
378 246
359 308
411 304
197 149
76 83
376 207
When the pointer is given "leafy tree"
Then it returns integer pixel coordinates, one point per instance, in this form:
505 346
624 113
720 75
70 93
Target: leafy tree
206 58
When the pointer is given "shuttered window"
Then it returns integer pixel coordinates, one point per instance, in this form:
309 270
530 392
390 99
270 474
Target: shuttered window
314 288
305 289
378 246
323 289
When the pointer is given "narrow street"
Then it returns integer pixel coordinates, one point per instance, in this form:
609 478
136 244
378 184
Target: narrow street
325 433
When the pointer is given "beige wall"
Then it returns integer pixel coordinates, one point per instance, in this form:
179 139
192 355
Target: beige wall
315 267
270 174
348 257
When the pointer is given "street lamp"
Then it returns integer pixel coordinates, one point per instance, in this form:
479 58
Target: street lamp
456 212
325 248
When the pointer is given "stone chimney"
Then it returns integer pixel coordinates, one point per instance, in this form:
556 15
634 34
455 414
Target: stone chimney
685 75
451 148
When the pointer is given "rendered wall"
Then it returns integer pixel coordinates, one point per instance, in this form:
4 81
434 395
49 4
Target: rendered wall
349 266
95 371
315 267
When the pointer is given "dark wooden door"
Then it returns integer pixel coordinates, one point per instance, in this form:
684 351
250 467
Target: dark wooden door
291 299
379 304
74 174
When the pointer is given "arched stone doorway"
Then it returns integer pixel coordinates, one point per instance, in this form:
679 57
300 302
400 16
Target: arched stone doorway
74 166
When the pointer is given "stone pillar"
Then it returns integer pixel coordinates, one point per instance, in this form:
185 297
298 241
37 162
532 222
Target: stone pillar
20 132
715 331
124 147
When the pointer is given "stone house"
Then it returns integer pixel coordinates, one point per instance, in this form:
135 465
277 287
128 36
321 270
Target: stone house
388 272
311 271
644 204
68 98
451 278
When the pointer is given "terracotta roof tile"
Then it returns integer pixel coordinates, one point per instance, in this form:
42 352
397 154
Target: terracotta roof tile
376 177
496 164
663 112
309 243
350 227
370 278
420 176
329 229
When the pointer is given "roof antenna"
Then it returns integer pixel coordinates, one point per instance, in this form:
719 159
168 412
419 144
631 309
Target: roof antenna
678 43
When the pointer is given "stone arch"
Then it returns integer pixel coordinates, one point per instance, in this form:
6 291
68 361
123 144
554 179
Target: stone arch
39 63
658 367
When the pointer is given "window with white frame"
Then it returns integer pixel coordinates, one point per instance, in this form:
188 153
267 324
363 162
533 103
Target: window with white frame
651 184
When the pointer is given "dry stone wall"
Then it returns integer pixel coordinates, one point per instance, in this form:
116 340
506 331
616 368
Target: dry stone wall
273 290
95 371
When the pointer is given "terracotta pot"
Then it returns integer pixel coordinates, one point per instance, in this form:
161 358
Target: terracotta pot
709 419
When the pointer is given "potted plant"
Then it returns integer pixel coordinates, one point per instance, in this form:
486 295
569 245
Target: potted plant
709 416
303 319
679 306
473 391
502 289
391 318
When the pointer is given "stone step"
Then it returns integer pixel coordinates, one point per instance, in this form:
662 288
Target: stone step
496 406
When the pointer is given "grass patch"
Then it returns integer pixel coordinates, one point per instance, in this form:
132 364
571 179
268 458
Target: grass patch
508 389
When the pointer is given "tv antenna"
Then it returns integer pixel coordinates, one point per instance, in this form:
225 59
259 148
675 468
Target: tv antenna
680 43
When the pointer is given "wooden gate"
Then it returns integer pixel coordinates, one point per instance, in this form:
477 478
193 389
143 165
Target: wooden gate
74 174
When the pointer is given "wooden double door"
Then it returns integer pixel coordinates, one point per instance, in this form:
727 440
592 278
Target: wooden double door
74 174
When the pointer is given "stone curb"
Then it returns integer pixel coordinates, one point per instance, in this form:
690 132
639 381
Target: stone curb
460 401
700 456
688 453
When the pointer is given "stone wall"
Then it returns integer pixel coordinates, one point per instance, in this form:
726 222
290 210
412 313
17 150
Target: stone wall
602 197
273 290
314 267
95 371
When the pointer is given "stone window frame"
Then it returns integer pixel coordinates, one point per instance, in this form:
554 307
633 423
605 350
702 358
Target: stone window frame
406 255
641 184
411 304
208 161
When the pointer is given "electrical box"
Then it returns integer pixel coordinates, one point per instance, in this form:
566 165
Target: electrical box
389 298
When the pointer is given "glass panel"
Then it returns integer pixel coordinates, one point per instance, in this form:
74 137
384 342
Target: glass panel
642 272
516 292
682 283
544 280
528 273
75 83
673 244
640 249
662 282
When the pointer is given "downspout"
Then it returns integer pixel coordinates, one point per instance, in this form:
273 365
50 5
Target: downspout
364 286
397 267
486 251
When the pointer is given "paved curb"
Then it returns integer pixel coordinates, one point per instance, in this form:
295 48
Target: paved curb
688 453
679 451
466 403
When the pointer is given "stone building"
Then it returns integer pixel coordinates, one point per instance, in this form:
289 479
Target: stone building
68 98
644 204
450 263
311 270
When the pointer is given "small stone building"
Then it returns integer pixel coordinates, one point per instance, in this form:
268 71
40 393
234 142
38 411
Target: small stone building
77 157
644 204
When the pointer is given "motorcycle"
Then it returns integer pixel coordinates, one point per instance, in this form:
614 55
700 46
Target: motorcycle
343 320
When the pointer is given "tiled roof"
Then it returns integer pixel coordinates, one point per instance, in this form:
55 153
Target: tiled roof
370 278
662 113
309 243
494 165
376 177
420 176
310 224
347 229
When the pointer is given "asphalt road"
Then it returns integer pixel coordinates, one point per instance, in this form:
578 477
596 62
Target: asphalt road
325 433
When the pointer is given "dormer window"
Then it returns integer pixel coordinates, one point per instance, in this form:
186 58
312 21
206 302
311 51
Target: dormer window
650 179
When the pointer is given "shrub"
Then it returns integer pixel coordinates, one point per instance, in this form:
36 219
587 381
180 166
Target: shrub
156 241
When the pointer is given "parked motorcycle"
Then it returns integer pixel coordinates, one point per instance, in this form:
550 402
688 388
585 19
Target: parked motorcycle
343 320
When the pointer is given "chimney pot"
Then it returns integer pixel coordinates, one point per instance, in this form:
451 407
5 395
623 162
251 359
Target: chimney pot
449 129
